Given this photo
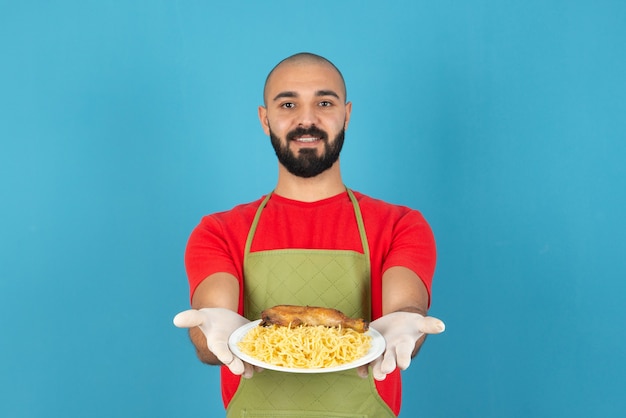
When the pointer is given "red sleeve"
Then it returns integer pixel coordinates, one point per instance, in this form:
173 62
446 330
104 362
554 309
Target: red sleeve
413 247
213 248
398 236
204 241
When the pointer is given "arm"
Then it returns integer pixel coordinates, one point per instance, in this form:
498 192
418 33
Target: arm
219 290
404 291
404 323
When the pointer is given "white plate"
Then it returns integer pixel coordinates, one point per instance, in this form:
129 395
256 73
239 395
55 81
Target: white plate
377 348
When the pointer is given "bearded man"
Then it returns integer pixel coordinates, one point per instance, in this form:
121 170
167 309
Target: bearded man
382 258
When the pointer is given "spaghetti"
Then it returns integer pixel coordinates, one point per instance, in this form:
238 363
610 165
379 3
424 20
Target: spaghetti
305 347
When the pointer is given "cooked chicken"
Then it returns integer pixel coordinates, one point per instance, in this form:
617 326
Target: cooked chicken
285 315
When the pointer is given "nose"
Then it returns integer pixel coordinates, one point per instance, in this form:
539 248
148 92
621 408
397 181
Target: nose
307 116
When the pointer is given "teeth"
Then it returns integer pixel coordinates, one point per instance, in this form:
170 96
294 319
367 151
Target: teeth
307 139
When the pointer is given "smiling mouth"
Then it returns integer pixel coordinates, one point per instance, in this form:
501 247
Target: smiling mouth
306 139
305 136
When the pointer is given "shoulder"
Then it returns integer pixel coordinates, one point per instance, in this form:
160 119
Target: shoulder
377 207
239 216
243 210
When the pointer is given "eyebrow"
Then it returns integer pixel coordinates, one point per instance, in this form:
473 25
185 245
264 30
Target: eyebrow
319 93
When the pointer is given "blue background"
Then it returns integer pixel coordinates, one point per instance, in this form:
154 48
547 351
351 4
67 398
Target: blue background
122 123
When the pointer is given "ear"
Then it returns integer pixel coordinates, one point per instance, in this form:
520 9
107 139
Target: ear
348 112
265 124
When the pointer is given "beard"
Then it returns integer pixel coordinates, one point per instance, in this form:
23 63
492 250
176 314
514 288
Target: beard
306 163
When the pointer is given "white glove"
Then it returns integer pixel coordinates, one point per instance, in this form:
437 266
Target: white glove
217 324
401 331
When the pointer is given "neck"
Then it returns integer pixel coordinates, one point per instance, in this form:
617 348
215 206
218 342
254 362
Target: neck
322 186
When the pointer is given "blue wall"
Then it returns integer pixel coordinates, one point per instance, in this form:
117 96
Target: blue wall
122 123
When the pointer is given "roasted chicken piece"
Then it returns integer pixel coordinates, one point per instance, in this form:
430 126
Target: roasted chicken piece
290 315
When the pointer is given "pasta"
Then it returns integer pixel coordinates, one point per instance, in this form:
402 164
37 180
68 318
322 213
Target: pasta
308 347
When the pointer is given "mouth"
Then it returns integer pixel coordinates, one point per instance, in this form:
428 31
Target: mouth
306 139
307 136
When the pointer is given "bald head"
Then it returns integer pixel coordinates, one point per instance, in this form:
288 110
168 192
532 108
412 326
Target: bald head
303 59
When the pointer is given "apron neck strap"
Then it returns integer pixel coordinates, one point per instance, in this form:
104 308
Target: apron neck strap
255 222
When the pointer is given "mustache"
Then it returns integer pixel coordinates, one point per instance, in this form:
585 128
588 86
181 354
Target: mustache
312 131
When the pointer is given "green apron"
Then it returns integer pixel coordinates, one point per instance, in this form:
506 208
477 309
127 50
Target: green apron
330 278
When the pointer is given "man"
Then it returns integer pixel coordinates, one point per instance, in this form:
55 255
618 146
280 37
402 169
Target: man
310 242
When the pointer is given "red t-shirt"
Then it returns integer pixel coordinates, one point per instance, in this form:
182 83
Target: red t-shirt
396 235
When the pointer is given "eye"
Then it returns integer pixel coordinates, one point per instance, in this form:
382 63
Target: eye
325 103
288 105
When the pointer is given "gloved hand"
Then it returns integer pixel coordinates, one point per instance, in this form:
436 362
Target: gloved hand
217 324
401 331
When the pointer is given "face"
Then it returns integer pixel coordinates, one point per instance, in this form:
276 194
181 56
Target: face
305 116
